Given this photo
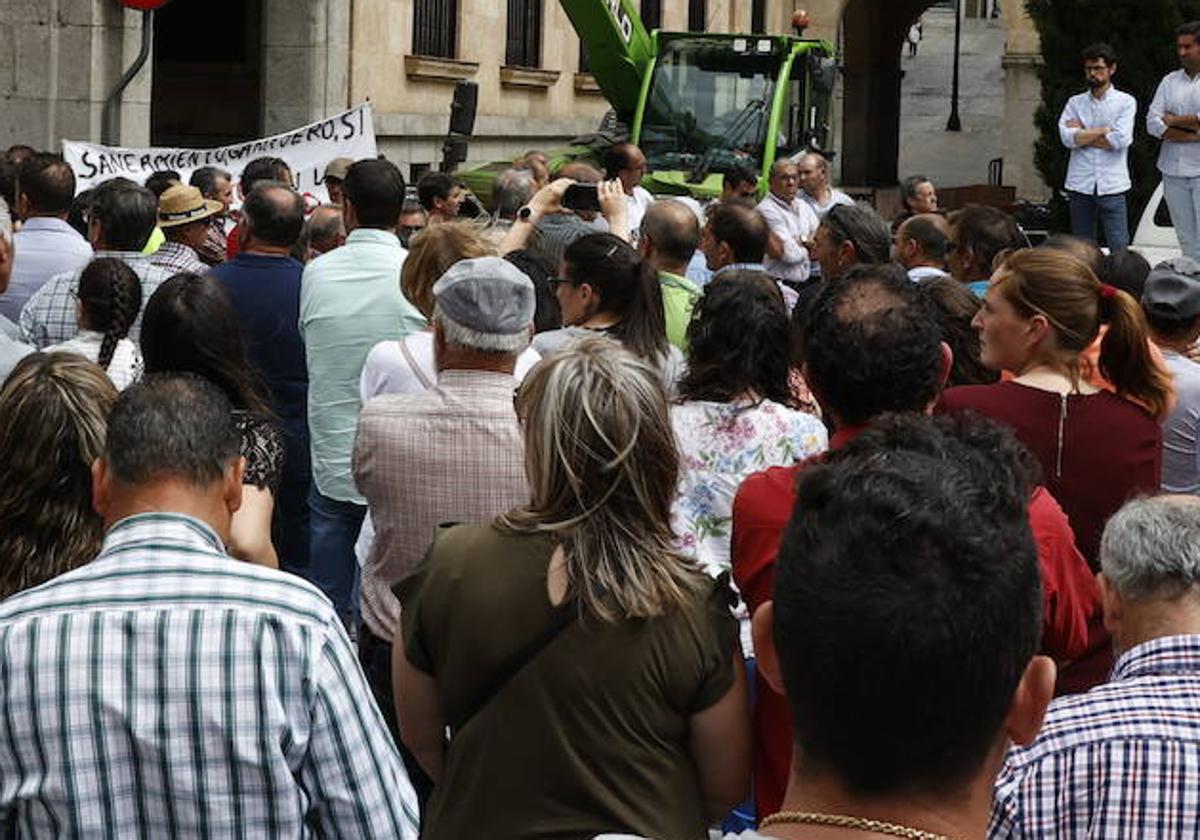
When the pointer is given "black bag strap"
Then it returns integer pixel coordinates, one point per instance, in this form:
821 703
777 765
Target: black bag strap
562 617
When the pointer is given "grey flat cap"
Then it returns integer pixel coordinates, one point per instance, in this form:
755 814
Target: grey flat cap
1173 289
488 294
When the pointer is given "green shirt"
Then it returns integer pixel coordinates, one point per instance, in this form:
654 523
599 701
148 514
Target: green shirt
591 735
679 296
350 300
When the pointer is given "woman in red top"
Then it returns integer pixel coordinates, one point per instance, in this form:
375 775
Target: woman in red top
1097 449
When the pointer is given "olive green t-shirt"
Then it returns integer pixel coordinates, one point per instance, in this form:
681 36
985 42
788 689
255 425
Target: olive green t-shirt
591 735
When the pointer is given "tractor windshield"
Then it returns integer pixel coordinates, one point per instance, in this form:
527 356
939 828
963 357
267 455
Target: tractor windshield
709 102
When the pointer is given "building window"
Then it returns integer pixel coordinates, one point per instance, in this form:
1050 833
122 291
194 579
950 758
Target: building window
524 47
652 14
758 16
697 16
435 27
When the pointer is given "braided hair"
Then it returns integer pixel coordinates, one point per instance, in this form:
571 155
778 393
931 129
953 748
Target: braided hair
110 294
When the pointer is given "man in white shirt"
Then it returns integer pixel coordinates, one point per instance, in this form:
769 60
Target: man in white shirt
792 224
1174 117
921 244
626 163
1097 126
815 186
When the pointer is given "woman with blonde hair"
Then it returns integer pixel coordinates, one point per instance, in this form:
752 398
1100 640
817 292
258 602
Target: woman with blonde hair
589 672
1097 449
407 366
53 420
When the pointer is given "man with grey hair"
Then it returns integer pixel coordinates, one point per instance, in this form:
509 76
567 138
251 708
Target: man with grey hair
451 453
512 191
792 223
11 350
1122 760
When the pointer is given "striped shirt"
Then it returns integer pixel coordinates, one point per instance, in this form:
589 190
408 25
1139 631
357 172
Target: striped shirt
1121 761
167 690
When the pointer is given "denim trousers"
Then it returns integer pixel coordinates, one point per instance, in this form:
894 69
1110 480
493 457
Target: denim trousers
1109 210
1183 200
332 564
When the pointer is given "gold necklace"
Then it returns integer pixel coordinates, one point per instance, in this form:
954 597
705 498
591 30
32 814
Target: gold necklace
842 821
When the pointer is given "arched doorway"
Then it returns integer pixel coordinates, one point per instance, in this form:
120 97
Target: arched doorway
207 87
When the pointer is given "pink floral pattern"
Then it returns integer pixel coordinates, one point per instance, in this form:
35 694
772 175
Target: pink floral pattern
720 444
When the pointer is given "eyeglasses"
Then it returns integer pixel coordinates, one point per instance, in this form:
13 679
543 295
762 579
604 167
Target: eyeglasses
555 282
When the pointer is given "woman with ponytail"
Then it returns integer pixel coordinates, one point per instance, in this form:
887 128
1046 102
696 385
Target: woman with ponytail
604 286
1097 449
109 299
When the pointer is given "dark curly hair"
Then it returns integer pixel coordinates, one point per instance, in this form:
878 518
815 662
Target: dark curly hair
910 553
873 345
111 296
738 341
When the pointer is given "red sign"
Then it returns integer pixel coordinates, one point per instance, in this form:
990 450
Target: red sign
145 5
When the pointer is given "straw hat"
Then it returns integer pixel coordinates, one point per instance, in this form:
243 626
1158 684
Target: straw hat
182 204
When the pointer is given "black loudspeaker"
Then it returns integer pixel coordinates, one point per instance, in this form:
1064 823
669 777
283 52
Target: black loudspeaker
462 109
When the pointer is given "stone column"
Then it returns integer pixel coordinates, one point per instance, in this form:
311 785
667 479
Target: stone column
306 61
1022 95
59 59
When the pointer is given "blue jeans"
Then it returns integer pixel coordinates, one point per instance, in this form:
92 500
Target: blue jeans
1183 200
332 566
1114 219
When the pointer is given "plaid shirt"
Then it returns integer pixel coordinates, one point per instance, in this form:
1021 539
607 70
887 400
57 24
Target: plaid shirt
175 257
453 453
167 690
1121 761
49 317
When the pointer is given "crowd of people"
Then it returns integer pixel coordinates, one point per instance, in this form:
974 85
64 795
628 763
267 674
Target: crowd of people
574 519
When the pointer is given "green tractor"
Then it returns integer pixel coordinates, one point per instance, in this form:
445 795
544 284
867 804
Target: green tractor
696 104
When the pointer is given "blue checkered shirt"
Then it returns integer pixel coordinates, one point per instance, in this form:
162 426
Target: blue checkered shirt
167 690
49 316
1122 761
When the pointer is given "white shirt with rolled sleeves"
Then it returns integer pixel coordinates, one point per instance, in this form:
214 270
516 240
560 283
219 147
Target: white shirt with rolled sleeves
1095 171
792 223
1178 93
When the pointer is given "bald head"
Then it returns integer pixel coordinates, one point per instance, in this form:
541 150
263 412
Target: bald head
923 241
813 172
670 232
274 214
326 228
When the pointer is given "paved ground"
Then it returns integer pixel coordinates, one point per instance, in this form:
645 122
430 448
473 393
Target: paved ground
953 159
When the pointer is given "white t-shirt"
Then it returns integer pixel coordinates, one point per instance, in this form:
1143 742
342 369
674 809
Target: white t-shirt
639 203
387 371
126 365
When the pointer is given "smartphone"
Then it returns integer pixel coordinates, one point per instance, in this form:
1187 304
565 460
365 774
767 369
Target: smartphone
582 197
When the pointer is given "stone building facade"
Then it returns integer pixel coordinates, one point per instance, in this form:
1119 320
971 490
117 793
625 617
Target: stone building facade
283 63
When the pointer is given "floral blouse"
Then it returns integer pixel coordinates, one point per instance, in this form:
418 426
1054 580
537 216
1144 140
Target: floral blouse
720 444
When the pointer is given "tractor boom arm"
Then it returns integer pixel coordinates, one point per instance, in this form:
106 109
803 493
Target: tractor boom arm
618 48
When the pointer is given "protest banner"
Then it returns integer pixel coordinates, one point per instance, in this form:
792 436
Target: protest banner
307 150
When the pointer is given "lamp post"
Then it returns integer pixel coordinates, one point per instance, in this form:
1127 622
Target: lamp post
954 123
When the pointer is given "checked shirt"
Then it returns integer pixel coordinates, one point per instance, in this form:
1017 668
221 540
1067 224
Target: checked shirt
1122 761
49 317
167 690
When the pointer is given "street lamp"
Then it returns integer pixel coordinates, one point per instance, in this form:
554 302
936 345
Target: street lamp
954 123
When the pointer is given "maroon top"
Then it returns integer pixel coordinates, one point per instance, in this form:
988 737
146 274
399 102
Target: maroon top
1108 451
